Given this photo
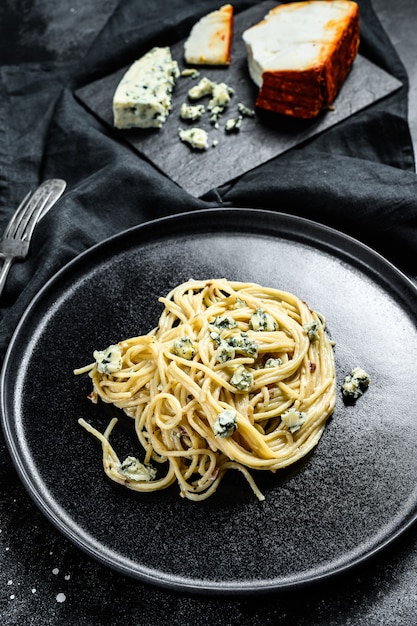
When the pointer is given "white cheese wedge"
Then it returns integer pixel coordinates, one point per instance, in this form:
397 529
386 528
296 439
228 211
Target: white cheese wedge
300 54
210 39
293 38
143 97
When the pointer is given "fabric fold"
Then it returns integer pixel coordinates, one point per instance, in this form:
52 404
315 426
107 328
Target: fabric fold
376 204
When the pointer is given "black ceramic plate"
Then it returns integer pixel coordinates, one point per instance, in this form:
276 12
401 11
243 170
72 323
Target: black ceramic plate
350 497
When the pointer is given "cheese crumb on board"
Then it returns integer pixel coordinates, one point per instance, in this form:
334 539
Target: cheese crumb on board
196 137
203 88
220 97
191 111
210 39
143 97
233 124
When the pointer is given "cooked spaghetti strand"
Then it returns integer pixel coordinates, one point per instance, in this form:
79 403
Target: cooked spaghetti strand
234 376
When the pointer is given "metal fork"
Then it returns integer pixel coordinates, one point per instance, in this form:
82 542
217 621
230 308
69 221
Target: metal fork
15 241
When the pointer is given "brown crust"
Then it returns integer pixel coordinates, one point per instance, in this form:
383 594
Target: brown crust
306 93
229 34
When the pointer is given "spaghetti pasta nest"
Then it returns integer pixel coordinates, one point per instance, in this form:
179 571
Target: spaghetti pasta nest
234 376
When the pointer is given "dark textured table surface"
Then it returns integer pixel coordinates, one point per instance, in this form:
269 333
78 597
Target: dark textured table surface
45 580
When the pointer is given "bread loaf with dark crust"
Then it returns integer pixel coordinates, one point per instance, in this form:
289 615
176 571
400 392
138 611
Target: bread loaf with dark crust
301 54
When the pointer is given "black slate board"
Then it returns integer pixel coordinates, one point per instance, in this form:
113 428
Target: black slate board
259 140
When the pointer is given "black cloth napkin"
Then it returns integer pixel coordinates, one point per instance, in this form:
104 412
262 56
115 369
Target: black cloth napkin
358 177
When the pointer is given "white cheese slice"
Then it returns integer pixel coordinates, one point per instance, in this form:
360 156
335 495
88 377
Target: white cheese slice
143 97
210 39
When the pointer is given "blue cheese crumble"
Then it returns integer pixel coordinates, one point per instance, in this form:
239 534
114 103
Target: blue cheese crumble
191 111
203 88
224 352
143 97
262 321
240 343
223 322
221 95
132 469
239 303
225 424
355 383
109 360
233 124
312 330
271 362
244 345
196 137
242 379
190 72
245 111
293 419
184 348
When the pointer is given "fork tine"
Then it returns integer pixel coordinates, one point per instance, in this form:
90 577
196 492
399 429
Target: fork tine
47 193
17 217
27 225
15 241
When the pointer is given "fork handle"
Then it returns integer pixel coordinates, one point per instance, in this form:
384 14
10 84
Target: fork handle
3 273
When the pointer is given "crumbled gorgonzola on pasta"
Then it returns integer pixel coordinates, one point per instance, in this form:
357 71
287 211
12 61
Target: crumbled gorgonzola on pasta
242 379
225 352
273 362
109 360
134 470
312 330
239 303
224 322
260 320
184 348
293 419
225 424
244 344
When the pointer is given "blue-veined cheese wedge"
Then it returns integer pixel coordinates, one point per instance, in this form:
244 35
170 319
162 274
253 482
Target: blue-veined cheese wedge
144 95
210 39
